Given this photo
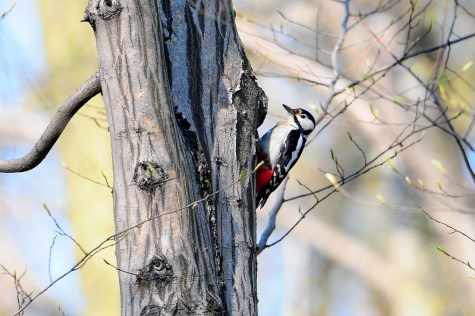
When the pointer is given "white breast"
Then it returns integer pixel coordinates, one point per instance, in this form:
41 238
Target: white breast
273 140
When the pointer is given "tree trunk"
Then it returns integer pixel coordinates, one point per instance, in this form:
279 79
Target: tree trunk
183 108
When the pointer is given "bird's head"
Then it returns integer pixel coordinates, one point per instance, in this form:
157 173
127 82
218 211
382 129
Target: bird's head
304 120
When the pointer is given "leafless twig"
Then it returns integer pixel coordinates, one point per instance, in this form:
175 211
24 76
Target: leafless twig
115 238
7 12
454 230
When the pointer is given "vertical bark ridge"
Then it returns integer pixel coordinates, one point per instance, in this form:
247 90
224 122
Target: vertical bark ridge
183 119
146 144
224 115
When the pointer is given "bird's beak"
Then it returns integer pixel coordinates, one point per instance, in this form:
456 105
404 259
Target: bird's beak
289 109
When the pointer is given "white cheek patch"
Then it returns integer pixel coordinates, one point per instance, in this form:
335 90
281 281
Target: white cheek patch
307 125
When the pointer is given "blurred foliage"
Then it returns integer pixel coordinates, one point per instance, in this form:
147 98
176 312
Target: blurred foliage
85 147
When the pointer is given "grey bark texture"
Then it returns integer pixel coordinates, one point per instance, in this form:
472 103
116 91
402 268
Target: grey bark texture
183 108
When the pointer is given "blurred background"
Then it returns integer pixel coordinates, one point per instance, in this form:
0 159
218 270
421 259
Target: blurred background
367 249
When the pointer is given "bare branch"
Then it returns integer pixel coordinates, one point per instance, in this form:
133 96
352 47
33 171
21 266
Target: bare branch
57 125
335 64
272 216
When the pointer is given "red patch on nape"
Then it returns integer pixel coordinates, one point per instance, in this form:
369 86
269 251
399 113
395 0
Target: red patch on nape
263 176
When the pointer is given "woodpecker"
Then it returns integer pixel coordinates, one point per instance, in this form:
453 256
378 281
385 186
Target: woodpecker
279 149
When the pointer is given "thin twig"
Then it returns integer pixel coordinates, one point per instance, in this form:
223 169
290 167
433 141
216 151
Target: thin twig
88 179
61 231
7 12
455 230
113 239
120 270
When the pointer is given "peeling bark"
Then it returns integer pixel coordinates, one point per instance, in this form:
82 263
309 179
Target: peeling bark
183 108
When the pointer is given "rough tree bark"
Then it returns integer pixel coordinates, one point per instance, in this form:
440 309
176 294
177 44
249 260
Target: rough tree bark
183 108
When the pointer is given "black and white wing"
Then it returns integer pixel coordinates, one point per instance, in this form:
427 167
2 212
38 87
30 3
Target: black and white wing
289 154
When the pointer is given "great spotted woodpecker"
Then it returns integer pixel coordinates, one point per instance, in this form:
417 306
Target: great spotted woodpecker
279 149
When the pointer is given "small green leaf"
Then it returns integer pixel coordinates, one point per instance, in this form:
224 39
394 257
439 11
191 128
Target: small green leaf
439 166
376 113
421 183
380 198
443 92
260 164
423 134
442 250
332 180
439 183
399 100
314 108
390 164
467 66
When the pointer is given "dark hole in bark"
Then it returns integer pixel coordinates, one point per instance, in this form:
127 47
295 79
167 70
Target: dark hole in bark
158 270
149 175
151 310
108 9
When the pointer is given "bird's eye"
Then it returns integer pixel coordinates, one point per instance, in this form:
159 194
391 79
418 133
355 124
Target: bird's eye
303 116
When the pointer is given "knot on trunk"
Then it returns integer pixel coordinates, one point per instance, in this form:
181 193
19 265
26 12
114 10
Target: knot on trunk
105 9
158 270
151 310
149 175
